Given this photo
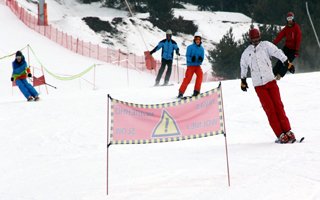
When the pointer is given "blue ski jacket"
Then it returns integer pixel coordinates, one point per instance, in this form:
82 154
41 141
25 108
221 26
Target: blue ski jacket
168 46
20 70
194 55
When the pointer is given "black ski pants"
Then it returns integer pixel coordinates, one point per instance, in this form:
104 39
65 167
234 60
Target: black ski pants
279 68
164 62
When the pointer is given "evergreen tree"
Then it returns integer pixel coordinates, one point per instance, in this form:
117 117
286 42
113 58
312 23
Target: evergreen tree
225 57
160 10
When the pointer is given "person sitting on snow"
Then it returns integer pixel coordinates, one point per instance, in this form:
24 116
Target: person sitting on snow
168 46
19 75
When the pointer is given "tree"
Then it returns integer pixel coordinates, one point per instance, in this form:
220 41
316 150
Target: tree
225 57
160 10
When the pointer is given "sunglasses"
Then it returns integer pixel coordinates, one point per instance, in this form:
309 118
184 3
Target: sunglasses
290 18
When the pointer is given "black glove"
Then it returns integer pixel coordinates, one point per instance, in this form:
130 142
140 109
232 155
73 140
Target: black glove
151 52
193 59
200 59
178 53
29 75
244 84
12 79
289 66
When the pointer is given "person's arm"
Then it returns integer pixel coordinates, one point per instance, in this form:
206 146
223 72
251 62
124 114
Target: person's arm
201 56
243 65
20 69
274 51
279 37
159 46
177 49
244 71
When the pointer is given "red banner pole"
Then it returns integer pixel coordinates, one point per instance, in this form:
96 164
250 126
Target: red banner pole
107 170
225 137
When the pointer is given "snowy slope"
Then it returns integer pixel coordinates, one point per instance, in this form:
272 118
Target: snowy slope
141 35
56 148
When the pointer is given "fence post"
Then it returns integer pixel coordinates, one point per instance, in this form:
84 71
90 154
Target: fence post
119 58
98 47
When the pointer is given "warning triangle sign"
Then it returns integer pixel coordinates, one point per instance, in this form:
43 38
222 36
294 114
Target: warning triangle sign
166 127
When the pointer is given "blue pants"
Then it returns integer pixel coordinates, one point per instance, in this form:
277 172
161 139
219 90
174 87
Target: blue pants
26 88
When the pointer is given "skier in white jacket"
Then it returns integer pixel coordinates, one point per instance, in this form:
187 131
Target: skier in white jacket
257 57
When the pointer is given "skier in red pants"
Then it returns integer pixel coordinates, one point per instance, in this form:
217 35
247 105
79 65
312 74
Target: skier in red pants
257 57
194 55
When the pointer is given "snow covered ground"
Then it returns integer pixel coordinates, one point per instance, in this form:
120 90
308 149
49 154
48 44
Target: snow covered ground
55 149
142 35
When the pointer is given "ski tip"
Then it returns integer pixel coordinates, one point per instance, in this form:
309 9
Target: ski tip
301 140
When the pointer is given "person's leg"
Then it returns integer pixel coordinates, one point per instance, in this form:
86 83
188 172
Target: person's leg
21 84
31 89
160 72
197 86
168 73
186 80
281 114
267 105
279 68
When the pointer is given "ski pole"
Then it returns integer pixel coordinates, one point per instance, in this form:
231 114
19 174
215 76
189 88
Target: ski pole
45 84
178 69
51 85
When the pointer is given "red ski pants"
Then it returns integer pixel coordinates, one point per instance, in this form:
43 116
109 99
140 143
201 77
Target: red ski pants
188 76
270 99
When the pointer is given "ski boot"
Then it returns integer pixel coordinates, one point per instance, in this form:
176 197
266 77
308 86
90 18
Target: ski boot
282 139
291 137
36 98
195 93
30 98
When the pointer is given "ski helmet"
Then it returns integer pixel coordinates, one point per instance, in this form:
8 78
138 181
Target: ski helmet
198 34
290 16
18 54
254 33
169 32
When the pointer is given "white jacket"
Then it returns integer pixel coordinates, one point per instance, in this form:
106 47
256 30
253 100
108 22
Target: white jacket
259 60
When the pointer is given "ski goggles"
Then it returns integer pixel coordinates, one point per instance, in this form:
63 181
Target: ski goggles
18 57
290 18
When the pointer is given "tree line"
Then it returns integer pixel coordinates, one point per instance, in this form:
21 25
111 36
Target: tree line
225 57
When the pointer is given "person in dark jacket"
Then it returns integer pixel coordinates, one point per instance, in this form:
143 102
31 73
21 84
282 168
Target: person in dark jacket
292 33
168 46
19 74
194 56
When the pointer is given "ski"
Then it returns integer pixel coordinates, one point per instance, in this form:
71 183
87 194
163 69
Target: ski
184 98
294 141
301 140
170 84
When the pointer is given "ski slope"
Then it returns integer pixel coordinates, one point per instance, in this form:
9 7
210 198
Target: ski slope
55 149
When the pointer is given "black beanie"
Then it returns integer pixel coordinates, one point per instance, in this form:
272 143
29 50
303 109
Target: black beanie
18 53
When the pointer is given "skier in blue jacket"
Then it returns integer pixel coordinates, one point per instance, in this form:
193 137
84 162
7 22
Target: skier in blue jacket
19 75
168 46
194 56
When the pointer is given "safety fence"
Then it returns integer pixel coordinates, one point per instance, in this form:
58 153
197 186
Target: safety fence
88 49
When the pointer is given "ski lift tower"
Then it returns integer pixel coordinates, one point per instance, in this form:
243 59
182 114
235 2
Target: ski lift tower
42 13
